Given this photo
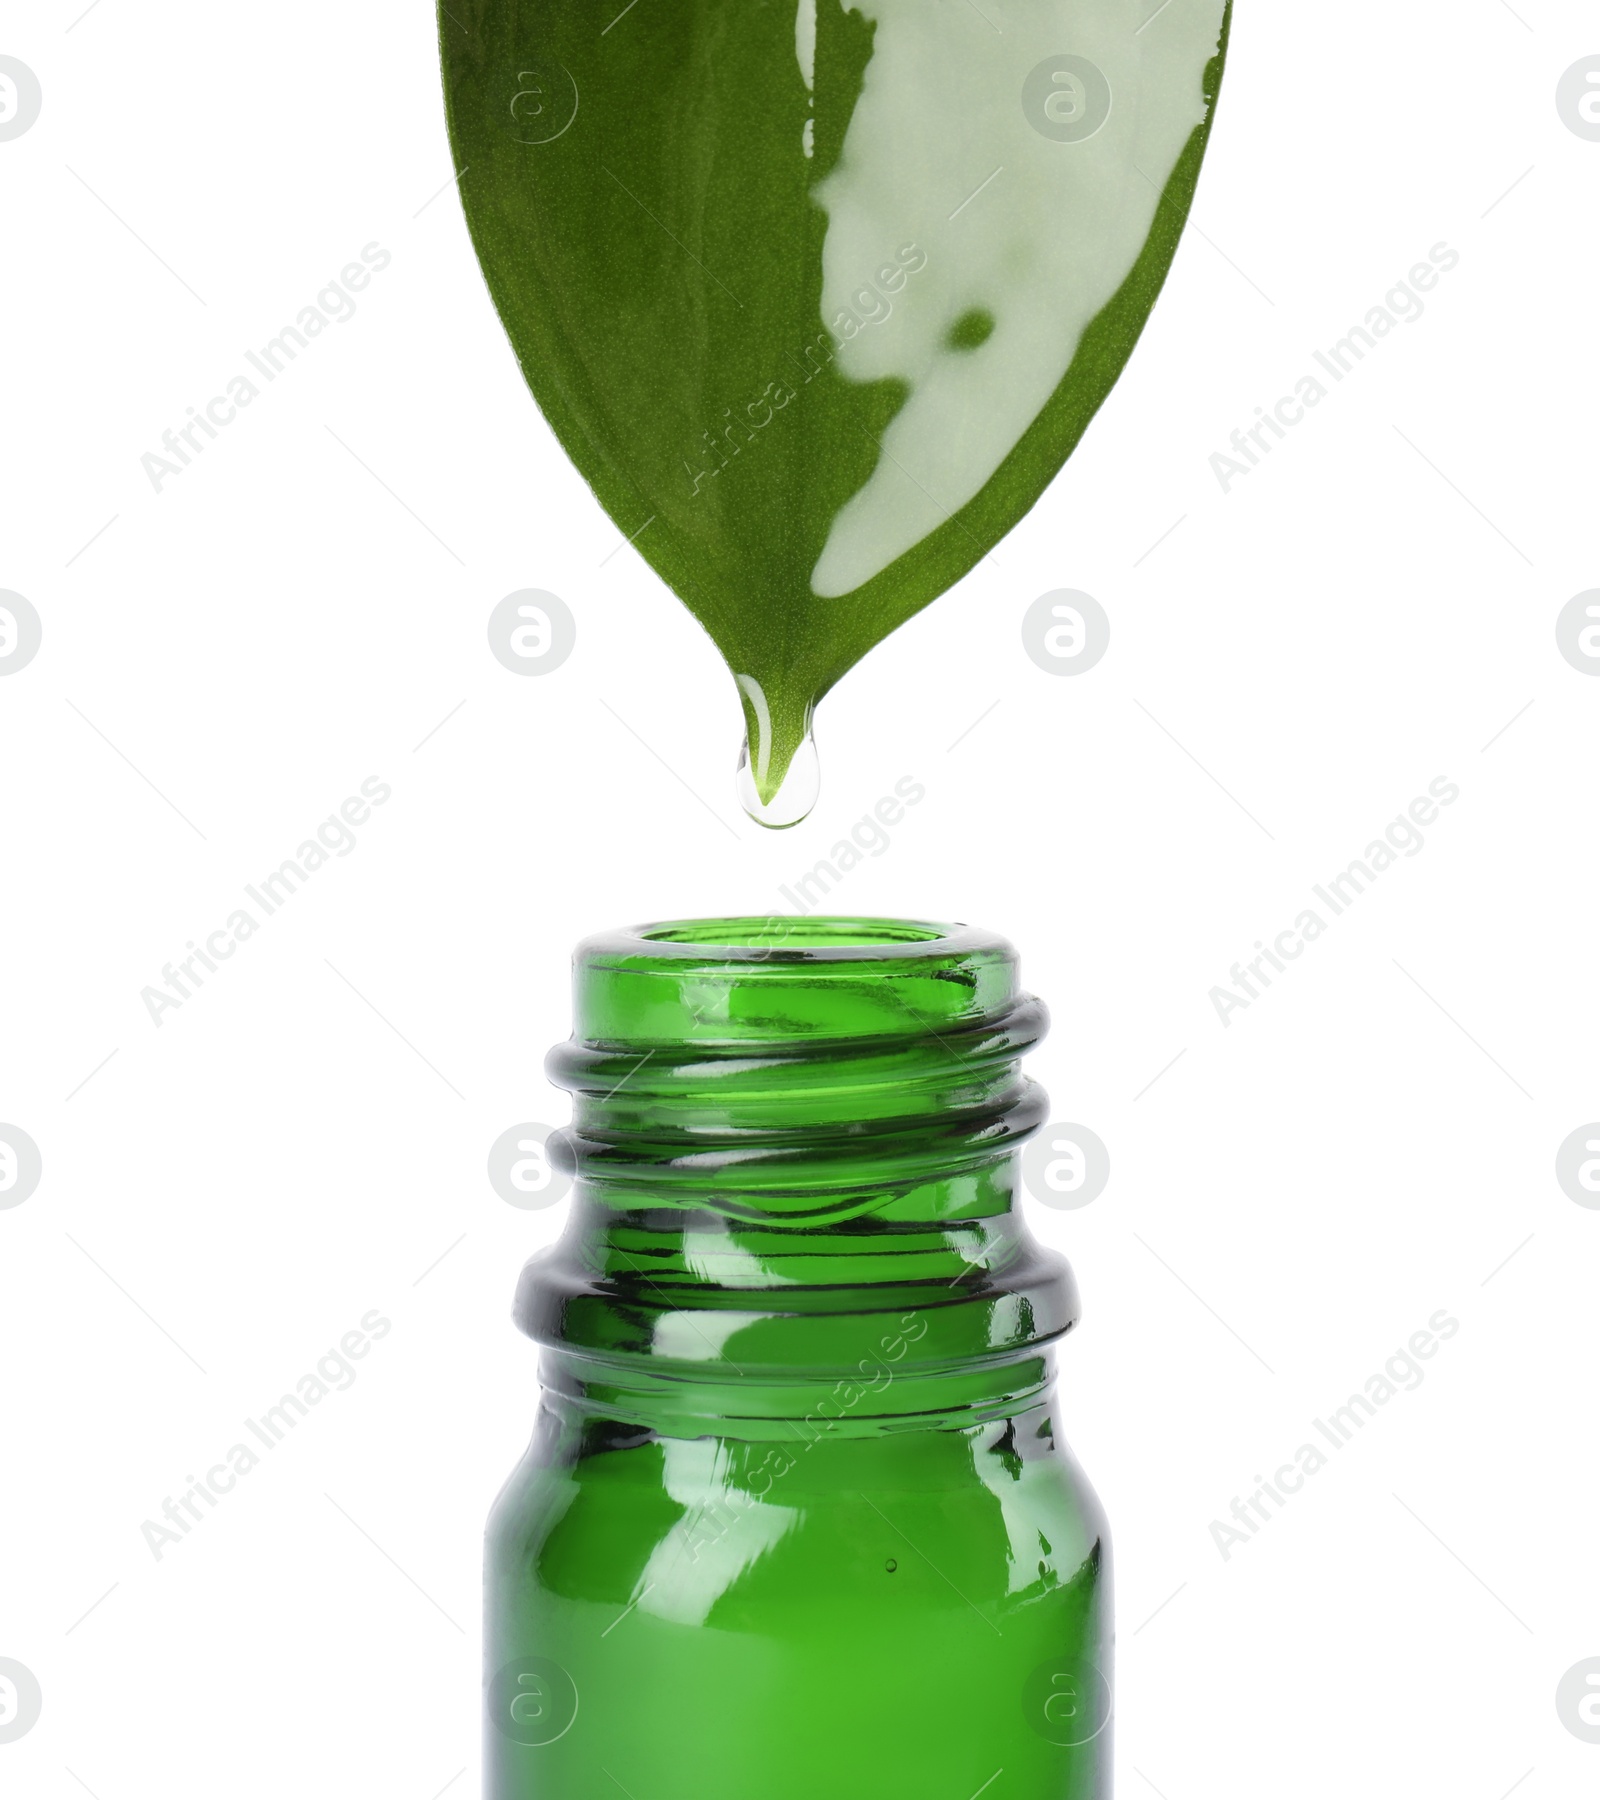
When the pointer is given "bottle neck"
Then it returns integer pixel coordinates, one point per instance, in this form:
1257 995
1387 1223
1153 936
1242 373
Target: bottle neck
878 1395
796 1186
642 1307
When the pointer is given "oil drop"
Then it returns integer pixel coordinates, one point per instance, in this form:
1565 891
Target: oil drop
795 795
778 776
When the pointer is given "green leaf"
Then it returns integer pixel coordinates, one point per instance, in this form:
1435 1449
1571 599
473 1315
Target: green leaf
820 298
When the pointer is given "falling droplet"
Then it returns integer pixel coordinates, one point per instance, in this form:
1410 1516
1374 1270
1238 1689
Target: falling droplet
797 792
799 784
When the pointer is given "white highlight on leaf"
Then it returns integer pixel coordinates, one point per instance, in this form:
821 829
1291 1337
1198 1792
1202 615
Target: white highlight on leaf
761 750
805 49
805 41
1043 247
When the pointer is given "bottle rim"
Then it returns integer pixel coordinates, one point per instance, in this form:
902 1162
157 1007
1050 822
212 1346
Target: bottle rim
753 939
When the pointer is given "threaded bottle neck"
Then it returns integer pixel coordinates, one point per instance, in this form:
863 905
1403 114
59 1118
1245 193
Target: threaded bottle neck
797 1070
784 1133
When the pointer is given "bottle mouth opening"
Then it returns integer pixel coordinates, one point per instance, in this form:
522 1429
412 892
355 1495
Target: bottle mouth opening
788 980
816 938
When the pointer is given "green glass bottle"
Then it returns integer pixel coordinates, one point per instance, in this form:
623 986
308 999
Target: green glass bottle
797 1519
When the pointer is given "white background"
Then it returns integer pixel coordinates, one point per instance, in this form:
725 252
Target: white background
229 658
